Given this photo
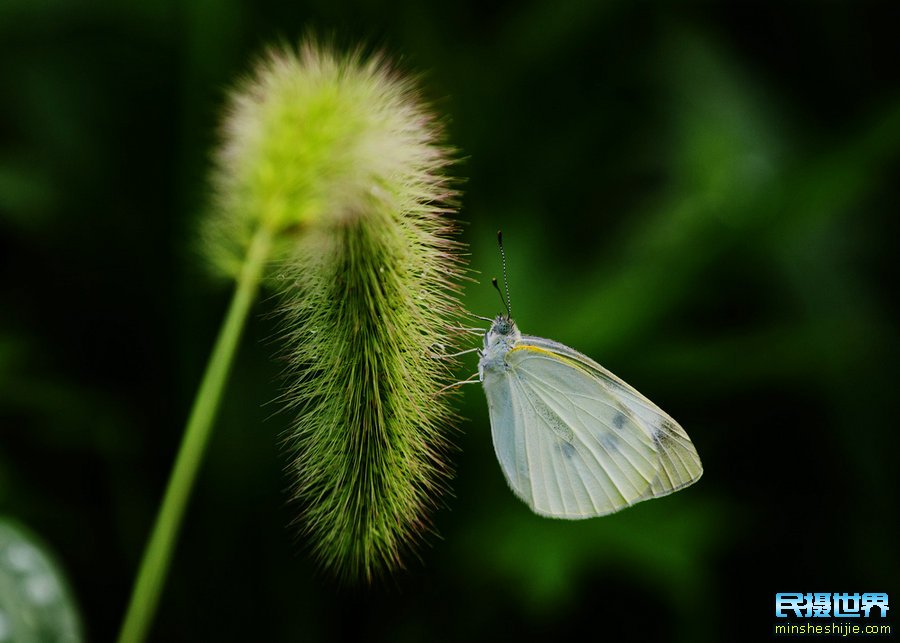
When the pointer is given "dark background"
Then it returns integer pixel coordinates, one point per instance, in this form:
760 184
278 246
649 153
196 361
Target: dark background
703 197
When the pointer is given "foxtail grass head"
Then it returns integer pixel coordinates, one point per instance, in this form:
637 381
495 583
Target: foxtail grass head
337 159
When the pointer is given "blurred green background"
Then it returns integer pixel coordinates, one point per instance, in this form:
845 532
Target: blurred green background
703 197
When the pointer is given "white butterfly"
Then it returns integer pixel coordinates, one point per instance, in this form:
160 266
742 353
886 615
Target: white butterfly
574 441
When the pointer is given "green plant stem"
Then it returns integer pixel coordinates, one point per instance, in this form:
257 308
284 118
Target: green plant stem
158 552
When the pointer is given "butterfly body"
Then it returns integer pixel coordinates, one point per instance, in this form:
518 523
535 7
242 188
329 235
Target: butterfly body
573 440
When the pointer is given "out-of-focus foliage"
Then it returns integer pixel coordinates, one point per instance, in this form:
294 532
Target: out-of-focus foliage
701 197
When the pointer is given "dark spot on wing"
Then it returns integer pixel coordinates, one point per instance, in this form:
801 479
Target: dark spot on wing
619 420
568 450
662 435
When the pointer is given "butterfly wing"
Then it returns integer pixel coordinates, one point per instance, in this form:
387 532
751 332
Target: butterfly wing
574 441
507 419
679 465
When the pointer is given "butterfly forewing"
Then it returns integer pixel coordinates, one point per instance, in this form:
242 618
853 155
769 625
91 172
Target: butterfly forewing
594 456
559 482
679 465
573 440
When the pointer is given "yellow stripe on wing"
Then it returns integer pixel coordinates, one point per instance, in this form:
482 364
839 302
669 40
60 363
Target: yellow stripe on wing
543 351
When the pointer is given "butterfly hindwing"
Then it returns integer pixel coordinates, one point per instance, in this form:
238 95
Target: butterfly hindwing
509 445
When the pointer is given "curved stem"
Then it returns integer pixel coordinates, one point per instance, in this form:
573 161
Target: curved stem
158 551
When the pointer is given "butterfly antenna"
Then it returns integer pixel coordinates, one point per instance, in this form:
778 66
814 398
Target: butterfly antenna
503 301
505 277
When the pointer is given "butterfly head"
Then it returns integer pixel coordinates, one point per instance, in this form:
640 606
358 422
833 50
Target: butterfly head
503 325
503 334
